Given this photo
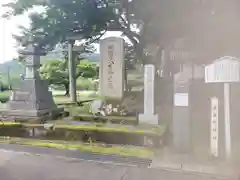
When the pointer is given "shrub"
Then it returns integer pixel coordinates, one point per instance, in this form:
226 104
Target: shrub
4 87
4 96
85 84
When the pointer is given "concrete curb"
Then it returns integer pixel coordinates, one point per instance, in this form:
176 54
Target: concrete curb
209 171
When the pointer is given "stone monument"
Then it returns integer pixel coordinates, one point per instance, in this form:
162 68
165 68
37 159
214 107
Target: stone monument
32 100
149 116
112 68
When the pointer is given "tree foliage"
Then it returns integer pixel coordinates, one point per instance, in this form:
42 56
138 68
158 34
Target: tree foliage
60 20
145 22
92 18
56 72
130 57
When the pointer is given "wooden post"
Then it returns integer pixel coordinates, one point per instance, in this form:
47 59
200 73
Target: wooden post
72 72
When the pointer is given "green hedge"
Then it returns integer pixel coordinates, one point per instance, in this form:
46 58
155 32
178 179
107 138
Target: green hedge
4 96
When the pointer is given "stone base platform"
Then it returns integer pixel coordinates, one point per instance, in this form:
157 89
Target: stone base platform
20 115
31 101
148 119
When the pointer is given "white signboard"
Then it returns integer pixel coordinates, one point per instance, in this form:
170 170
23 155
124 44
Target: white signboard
225 69
181 99
214 127
112 67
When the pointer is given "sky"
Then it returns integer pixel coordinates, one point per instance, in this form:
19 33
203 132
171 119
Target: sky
8 47
7 28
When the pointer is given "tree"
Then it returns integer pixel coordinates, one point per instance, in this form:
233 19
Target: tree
60 20
87 69
131 60
77 55
154 22
92 18
56 73
130 57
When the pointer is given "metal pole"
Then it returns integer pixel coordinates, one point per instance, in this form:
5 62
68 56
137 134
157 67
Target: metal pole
72 72
227 120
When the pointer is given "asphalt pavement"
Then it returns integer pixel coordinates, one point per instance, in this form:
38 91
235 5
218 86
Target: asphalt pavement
19 165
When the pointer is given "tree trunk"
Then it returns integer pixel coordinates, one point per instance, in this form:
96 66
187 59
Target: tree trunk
66 89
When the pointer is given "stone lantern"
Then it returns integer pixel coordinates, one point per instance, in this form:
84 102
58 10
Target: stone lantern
32 100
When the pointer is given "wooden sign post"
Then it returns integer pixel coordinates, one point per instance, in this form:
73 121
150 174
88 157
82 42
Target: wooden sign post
224 70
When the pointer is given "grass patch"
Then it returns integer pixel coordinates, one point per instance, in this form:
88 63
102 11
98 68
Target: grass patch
154 130
78 110
128 151
59 97
9 124
5 94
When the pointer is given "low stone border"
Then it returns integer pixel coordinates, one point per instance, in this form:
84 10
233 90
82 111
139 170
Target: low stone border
124 151
119 134
100 127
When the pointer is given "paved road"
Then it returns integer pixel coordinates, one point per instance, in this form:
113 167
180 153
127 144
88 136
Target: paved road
77 155
27 166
